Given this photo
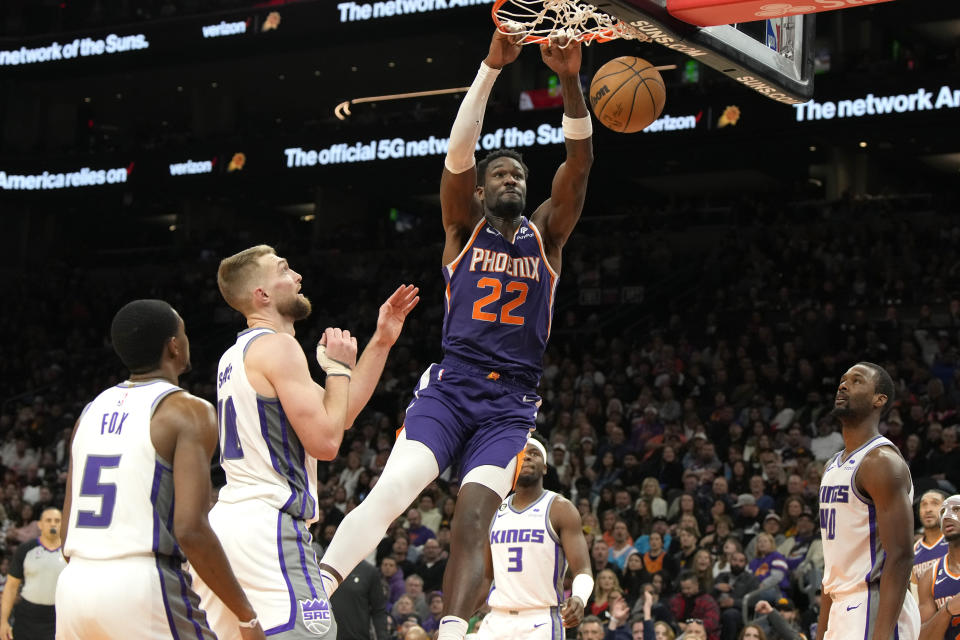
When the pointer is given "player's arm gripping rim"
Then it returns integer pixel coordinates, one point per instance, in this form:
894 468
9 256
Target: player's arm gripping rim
566 522
559 214
935 622
460 205
317 415
884 477
184 430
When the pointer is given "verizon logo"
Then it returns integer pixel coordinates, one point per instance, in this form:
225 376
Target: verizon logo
191 168
224 29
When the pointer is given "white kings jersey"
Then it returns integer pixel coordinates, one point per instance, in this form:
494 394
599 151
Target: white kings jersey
121 494
528 560
261 454
852 554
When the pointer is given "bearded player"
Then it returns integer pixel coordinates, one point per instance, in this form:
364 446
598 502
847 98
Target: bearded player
479 403
939 608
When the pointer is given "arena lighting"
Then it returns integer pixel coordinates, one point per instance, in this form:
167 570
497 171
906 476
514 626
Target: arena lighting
342 110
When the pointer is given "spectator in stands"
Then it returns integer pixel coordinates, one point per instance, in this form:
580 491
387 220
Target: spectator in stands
431 565
780 622
392 578
418 532
430 516
622 545
651 494
692 604
435 603
606 589
730 588
770 567
600 558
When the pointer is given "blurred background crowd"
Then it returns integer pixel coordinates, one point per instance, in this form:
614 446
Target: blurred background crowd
689 424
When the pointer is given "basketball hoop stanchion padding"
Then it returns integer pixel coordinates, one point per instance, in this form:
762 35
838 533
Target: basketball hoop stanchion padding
708 13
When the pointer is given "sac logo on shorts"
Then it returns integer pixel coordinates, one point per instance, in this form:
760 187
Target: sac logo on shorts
316 615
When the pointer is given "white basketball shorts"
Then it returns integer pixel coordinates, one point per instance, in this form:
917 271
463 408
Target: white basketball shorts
145 597
271 555
525 624
854 614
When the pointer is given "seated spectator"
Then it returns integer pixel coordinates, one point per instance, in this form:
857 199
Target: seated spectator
592 628
702 566
687 537
715 540
605 590
413 587
431 566
729 589
804 555
692 607
661 631
656 561
642 518
651 494
392 578
780 623
418 532
752 632
660 526
430 516
435 604
730 546
758 489
793 506
622 545
600 558
748 517
770 567
403 609
771 525
24 528
634 577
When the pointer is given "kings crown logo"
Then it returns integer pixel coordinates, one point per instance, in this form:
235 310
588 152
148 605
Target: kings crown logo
317 617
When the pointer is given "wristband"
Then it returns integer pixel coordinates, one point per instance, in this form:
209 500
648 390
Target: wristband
582 587
329 365
248 625
577 128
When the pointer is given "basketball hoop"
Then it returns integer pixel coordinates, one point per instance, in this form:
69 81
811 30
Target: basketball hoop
566 20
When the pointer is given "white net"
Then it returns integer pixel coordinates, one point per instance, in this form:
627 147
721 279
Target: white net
563 20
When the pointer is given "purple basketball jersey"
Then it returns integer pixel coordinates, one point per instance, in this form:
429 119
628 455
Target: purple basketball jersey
924 557
499 301
945 585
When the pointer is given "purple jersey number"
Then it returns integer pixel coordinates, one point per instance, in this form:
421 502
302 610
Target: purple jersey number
91 487
230 439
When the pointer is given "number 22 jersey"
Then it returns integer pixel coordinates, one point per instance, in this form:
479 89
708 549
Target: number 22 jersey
499 300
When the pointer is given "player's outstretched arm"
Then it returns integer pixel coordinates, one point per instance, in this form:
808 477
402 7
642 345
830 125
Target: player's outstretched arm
317 415
369 367
559 215
459 204
935 623
566 522
192 423
885 478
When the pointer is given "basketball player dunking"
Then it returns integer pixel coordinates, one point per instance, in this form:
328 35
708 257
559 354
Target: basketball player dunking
138 491
276 422
931 546
939 608
866 520
533 537
480 403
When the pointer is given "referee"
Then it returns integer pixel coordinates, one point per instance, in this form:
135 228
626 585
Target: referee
36 566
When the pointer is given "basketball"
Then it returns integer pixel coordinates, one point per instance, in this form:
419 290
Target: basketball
627 94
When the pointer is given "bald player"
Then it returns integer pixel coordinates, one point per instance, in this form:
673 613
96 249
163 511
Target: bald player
939 608
932 545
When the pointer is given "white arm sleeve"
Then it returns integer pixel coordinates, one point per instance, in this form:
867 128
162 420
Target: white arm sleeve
466 128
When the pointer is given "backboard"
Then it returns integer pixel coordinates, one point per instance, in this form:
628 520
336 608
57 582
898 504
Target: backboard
773 57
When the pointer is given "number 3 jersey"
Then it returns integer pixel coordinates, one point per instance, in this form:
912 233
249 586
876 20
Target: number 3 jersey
121 493
260 452
528 560
499 301
853 557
